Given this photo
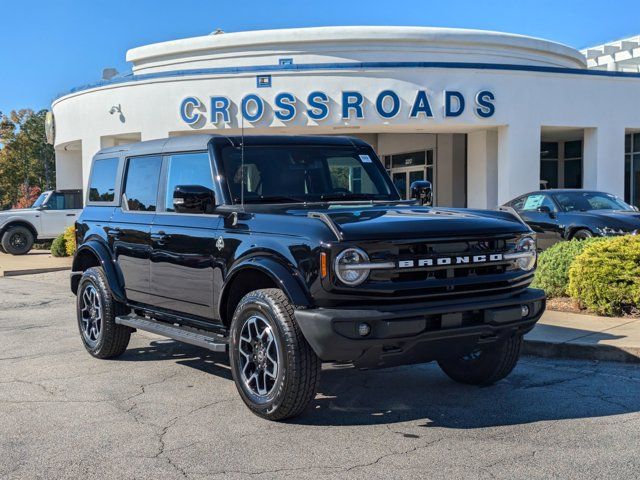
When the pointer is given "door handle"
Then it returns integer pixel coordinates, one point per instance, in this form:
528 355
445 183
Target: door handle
71 214
159 237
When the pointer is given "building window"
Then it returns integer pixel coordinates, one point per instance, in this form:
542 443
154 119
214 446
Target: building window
573 164
632 169
549 164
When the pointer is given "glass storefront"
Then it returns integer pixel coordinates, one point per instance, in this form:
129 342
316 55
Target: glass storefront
406 168
632 169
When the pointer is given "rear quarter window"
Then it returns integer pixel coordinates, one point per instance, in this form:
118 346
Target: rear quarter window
102 186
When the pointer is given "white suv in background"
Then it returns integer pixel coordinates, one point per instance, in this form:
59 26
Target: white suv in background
47 218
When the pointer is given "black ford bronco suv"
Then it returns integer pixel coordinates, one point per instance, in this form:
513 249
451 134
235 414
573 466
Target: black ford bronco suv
291 251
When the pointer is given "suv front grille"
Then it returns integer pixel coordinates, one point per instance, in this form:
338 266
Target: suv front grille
399 284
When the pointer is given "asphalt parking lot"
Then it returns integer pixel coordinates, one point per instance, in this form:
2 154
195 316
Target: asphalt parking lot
166 410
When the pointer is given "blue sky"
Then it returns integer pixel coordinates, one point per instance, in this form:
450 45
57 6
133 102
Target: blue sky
51 46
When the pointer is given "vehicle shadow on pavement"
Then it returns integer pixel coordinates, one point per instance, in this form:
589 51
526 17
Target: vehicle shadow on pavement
538 390
183 354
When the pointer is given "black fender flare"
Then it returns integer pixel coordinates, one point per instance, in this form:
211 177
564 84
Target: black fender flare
99 250
21 223
288 279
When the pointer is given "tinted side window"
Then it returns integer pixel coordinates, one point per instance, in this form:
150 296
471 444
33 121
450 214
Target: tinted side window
141 186
103 180
187 169
65 201
537 200
518 203
56 202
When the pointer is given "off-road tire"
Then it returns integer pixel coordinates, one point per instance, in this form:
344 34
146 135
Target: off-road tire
581 234
113 338
9 247
491 365
298 369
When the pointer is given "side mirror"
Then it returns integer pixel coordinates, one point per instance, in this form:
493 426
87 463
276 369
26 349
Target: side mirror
193 199
422 191
545 209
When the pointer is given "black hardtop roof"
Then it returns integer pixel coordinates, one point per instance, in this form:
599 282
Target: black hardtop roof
201 142
564 190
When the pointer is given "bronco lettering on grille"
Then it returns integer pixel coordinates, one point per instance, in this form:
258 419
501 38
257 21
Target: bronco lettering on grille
444 261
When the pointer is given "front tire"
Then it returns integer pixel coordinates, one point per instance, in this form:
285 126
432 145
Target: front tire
485 366
17 240
275 370
97 311
582 234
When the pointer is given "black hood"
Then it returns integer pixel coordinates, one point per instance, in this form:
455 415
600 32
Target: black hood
615 218
372 222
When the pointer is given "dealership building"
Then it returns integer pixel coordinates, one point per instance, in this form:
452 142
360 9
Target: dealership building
485 116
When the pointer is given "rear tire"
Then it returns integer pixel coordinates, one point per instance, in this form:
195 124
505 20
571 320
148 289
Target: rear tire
17 240
485 366
97 311
275 370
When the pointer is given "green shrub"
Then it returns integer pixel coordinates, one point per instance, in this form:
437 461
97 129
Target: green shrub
605 277
552 274
58 247
70 240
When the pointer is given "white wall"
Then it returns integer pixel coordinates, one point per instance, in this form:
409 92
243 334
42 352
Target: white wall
482 169
68 169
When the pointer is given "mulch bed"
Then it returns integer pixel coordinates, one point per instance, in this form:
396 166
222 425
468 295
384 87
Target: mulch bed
567 304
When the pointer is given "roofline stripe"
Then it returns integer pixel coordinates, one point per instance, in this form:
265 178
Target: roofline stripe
130 78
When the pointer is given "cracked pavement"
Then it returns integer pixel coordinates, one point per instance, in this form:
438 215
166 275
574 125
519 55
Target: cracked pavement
166 410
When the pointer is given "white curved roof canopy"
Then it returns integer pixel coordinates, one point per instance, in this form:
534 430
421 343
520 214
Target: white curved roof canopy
352 44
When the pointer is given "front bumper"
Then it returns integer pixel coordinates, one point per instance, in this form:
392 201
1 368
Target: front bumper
417 333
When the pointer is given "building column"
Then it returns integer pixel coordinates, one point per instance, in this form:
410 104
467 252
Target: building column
482 166
90 146
69 167
518 160
603 159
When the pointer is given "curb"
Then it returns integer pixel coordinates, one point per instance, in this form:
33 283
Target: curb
604 353
32 271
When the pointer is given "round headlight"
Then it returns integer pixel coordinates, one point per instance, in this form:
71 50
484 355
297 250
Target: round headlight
349 266
526 248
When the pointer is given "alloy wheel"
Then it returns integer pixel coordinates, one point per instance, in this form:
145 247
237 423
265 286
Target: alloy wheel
259 356
91 315
18 240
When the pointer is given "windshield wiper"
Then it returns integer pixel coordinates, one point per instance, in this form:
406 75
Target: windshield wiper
272 199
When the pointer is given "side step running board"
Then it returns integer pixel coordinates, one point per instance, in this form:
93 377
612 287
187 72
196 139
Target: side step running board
210 341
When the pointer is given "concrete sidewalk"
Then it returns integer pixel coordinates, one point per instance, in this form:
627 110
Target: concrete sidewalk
571 335
36 261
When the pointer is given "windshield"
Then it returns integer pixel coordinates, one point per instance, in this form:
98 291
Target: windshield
291 174
40 200
585 201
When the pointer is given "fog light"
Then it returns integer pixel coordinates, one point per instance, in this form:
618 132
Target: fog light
525 311
364 329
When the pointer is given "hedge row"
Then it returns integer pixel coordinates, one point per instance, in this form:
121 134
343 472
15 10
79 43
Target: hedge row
602 274
65 244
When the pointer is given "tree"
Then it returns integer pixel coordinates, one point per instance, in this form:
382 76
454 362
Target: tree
26 160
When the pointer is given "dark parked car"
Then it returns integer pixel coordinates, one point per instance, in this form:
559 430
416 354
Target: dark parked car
565 214
291 251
